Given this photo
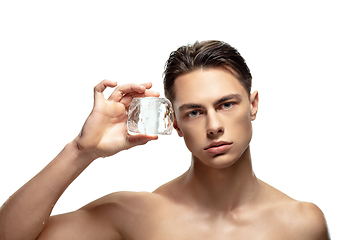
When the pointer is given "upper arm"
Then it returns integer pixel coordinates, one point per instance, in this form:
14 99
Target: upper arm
83 224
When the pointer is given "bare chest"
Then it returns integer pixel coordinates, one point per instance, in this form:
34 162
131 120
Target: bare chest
183 228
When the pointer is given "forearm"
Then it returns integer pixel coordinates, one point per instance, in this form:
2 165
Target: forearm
26 212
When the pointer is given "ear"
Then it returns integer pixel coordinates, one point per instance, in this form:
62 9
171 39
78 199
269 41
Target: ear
254 101
175 125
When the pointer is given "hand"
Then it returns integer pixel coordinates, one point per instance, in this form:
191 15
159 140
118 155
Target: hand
105 132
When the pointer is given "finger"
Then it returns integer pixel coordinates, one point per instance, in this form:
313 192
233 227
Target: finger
140 139
120 91
147 85
103 85
126 100
100 88
149 93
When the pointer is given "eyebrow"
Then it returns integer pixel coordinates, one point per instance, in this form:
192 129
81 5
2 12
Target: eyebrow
221 100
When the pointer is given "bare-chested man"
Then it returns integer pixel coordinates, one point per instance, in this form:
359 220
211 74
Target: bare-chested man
218 197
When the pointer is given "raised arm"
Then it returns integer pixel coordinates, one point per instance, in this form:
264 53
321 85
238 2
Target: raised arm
25 214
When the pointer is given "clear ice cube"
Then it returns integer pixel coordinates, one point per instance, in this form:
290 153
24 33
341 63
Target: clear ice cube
150 115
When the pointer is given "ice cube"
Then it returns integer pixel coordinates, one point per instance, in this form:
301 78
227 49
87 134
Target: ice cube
150 115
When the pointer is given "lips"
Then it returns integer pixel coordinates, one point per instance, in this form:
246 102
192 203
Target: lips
218 147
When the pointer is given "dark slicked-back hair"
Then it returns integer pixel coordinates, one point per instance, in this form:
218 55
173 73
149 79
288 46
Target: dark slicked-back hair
204 55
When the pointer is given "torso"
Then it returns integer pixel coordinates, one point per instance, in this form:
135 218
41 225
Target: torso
155 216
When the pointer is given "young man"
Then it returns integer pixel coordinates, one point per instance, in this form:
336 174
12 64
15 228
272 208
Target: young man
219 197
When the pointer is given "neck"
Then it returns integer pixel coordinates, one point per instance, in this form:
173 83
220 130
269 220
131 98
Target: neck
222 189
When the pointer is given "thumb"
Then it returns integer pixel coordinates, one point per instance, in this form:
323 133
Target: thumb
140 139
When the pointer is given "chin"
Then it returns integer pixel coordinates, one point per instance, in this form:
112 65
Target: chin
220 161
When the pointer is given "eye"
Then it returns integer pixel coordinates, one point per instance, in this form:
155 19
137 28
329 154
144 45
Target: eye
193 113
227 105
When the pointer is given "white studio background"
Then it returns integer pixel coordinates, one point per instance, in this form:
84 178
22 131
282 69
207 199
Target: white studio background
304 57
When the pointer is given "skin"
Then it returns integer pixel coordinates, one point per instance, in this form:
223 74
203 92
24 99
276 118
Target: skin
219 197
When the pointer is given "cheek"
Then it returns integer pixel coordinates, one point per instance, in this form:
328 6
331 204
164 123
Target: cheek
241 125
245 121
191 135
246 128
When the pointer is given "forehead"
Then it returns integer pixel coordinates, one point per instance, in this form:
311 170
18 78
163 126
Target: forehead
204 86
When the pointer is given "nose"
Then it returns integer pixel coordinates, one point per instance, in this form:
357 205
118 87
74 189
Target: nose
214 125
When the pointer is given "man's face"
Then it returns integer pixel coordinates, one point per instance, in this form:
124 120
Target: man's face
213 114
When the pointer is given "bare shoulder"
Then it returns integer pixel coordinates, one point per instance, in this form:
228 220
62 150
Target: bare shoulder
119 200
105 218
308 220
303 220
121 207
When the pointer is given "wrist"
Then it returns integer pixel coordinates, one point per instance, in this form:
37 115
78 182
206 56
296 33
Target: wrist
81 154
